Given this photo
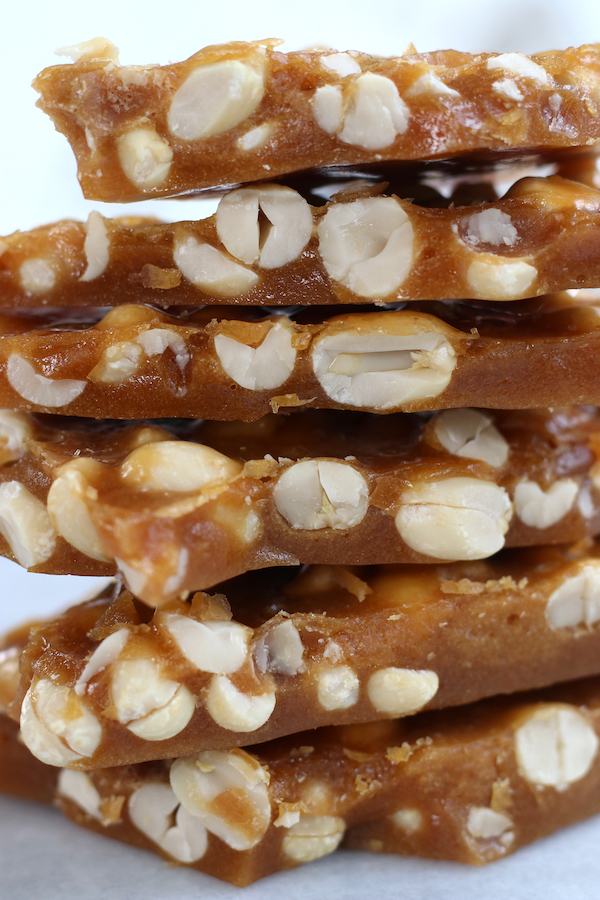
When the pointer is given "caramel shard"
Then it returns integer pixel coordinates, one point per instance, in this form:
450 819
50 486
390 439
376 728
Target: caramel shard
195 681
181 508
237 112
267 246
232 364
462 791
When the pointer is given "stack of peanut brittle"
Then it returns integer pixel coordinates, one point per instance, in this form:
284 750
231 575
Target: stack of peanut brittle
339 443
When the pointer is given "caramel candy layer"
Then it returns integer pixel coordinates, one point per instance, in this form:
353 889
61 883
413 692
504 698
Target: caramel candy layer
241 112
137 361
266 245
110 684
344 488
472 784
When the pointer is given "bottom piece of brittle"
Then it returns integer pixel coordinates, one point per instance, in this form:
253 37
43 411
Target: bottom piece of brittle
271 653
472 784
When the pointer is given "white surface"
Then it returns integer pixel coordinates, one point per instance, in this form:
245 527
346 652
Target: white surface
45 857
41 855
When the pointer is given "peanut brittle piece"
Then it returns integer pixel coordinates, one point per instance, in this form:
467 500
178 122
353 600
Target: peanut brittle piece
136 361
267 245
241 112
111 683
185 506
471 784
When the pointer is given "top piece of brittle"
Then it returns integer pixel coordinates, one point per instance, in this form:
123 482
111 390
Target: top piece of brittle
242 112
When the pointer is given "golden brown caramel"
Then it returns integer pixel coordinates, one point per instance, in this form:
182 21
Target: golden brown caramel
181 508
330 645
137 361
152 131
472 785
266 246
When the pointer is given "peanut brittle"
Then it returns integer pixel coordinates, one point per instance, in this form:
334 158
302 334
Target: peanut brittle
266 245
241 112
185 506
471 784
109 683
136 361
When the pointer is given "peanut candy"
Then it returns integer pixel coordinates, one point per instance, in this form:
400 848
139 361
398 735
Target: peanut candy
243 364
472 784
181 508
241 112
279 653
266 245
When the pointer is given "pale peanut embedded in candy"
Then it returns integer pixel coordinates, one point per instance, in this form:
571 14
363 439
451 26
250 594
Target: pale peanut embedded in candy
375 113
105 653
490 226
9 676
454 518
124 359
56 726
153 707
367 245
555 746
429 84
500 277
540 508
25 525
471 434
287 816
138 688
408 819
15 429
508 88
178 466
145 157
343 64
79 787
118 363
280 650
227 792
256 137
313 837
217 647
168 720
232 709
135 579
399 692
337 688
96 247
520 65
68 509
38 389
37 276
382 370
216 97
576 602
259 368
327 104
485 823
318 494
156 340
211 270
156 812
270 225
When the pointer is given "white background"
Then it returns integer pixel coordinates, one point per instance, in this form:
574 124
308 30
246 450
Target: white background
40 854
